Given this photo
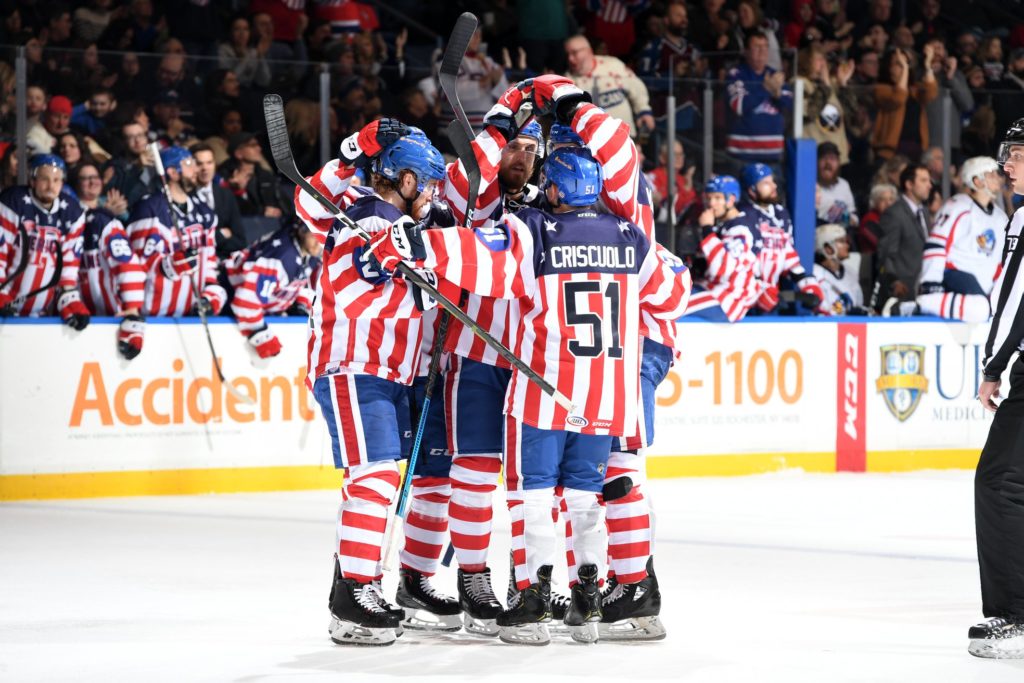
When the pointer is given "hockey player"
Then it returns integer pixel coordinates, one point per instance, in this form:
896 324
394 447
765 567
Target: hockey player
547 261
113 278
632 600
838 271
364 352
273 277
53 224
176 243
768 234
962 254
998 506
476 379
729 287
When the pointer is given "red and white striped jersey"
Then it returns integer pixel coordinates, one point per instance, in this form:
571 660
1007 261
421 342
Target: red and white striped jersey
363 321
269 277
111 276
153 234
581 279
625 192
732 269
968 238
59 228
490 313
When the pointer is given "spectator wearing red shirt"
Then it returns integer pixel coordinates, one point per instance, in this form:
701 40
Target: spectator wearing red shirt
686 196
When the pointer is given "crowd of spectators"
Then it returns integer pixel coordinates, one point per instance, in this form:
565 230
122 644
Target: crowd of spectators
108 77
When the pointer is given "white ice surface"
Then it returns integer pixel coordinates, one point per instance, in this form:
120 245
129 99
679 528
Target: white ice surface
787 577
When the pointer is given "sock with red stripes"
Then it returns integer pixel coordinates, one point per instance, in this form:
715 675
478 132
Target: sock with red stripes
474 479
426 524
362 518
629 521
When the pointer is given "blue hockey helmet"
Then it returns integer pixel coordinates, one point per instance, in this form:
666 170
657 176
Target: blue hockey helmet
725 184
411 152
171 157
560 134
576 173
752 174
533 131
37 161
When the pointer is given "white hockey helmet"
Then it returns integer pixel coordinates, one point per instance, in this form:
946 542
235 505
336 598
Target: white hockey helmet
974 167
826 235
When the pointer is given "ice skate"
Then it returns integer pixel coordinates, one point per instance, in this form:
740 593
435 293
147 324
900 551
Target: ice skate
425 608
997 638
358 617
630 610
584 611
480 607
524 622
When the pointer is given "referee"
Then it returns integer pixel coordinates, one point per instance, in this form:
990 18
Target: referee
999 481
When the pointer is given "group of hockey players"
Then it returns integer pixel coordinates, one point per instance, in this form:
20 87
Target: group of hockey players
61 256
566 275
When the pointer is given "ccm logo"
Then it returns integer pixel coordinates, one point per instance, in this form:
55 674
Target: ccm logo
850 407
577 421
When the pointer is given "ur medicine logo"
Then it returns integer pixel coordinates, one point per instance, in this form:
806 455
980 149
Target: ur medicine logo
902 382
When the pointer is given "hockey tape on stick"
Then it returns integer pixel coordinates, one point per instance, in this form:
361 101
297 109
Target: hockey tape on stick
196 294
273 110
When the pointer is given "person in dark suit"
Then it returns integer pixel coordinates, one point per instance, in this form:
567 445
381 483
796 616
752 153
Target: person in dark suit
230 235
904 227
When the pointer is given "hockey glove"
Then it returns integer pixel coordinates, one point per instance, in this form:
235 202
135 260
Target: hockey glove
178 264
368 143
931 288
812 295
503 114
129 336
556 95
769 298
403 241
208 305
265 342
72 311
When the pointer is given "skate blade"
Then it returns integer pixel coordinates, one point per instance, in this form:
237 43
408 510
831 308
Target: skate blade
479 627
422 620
525 634
637 628
997 648
585 633
347 633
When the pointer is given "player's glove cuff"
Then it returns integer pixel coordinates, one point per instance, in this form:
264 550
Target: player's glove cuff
72 311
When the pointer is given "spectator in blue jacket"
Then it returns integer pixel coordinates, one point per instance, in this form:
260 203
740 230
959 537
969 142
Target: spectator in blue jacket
757 98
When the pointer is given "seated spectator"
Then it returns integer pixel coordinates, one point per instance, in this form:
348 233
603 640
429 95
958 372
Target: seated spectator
133 173
750 19
9 167
614 87
213 191
823 99
245 60
223 93
35 104
262 192
991 57
56 120
88 185
883 195
236 176
901 124
836 204
757 99
74 150
672 46
282 26
838 271
170 128
90 117
172 77
904 227
686 196
891 170
934 159
230 124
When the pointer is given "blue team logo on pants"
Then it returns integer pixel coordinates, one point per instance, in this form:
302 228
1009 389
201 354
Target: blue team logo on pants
902 382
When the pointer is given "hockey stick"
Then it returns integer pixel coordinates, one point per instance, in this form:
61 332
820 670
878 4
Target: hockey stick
280 147
196 294
459 134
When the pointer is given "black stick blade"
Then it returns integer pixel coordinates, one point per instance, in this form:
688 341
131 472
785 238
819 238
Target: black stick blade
464 149
458 41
